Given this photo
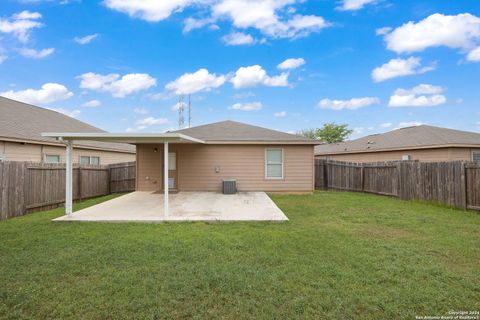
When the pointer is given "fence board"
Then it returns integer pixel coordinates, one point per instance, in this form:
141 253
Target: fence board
27 187
455 183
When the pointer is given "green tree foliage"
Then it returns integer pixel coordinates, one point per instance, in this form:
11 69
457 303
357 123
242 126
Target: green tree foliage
330 133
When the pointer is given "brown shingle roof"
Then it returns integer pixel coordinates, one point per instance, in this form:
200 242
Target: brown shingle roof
21 121
236 132
405 138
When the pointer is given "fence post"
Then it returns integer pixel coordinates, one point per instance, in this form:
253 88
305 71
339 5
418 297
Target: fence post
109 179
79 183
464 186
399 180
362 177
325 174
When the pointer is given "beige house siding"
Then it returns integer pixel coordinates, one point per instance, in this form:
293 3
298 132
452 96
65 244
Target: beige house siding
245 163
14 151
438 154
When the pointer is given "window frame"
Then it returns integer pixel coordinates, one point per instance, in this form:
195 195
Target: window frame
51 155
89 160
282 164
473 154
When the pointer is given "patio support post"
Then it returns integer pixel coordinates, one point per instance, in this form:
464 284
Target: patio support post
69 179
165 177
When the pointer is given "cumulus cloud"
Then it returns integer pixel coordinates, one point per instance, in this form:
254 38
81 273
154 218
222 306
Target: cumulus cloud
3 57
273 18
383 31
140 110
48 93
405 124
200 80
36 54
151 121
70 113
92 104
351 104
238 39
86 39
249 106
118 86
20 24
254 76
386 125
291 63
474 55
423 95
280 114
399 68
352 5
460 31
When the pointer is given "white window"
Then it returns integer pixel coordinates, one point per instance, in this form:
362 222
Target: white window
172 161
52 158
274 163
476 155
88 160
3 157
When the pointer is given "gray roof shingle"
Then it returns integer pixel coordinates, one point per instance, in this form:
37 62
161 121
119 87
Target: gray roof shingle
404 138
26 122
236 132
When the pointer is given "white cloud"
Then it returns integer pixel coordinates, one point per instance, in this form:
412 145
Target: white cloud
238 39
351 104
140 110
405 124
386 125
49 92
249 106
273 18
20 24
474 55
254 76
291 63
86 39
461 31
149 10
200 80
399 68
71 113
351 5
151 121
280 114
92 104
36 54
118 86
383 31
423 95
3 57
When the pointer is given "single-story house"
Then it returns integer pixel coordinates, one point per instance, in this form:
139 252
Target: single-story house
420 143
21 127
200 158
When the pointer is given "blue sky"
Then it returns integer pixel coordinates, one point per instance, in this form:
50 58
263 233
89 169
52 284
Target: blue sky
285 64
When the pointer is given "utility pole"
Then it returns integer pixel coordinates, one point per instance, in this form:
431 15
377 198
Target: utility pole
181 107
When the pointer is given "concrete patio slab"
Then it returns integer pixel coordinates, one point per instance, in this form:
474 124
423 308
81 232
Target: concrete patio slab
184 206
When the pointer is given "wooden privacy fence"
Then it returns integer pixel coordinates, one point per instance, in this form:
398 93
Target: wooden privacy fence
27 187
453 183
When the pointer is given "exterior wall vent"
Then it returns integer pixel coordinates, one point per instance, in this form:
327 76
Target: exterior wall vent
229 186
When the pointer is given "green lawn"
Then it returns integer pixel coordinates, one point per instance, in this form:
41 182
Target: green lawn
341 256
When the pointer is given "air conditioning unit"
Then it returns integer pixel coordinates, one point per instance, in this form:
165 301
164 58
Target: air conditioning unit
229 186
406 157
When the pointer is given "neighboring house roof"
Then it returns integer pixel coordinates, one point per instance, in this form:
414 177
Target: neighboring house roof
24 122
418 137
228 132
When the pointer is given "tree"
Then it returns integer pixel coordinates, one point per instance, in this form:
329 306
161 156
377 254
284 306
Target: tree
330 133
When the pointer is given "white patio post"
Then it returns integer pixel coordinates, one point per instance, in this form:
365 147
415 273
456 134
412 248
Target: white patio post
69 179
165 177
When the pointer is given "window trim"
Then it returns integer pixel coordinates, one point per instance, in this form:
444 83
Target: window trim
473 152
51 155
266 164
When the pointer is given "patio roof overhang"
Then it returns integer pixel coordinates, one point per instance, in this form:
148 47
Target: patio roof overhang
124 137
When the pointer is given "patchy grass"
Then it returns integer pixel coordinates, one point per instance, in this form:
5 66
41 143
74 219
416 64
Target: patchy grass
341 256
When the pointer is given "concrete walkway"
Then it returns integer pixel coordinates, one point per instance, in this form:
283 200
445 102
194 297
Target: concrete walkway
184 206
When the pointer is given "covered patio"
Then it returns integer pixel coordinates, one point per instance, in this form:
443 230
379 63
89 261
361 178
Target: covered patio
147 206
183 206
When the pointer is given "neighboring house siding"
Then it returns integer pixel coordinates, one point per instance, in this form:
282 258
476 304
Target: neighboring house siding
15 151
245 163
438 154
